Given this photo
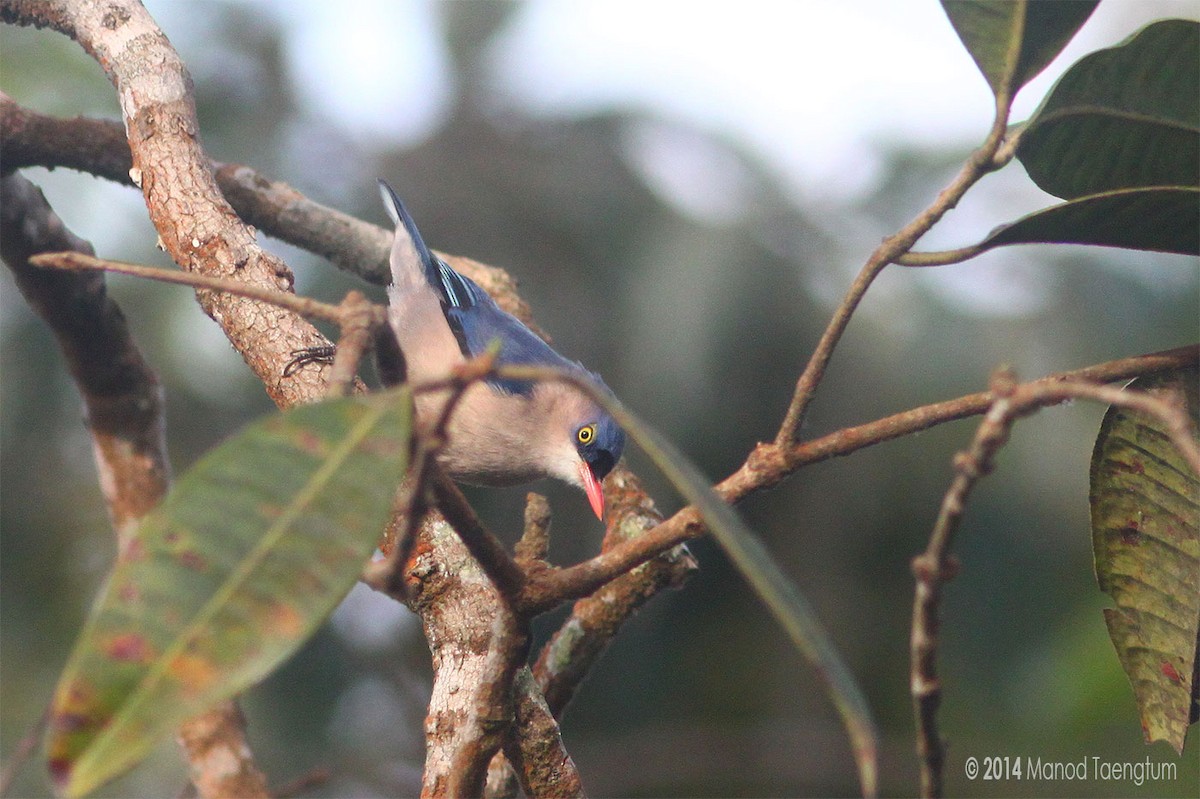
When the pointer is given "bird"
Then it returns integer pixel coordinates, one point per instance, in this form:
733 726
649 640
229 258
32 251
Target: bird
502 432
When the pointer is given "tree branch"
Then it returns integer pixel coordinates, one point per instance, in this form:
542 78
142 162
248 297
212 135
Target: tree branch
195 224
99 147
477 643
939 258
219 759
542 763
535 748
769 464
596 618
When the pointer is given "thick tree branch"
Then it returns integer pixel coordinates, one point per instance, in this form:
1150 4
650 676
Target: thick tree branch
537 754
219 759
477 644
195 224
121 394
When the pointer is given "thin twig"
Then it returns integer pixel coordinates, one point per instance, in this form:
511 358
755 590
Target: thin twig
302 306
388 575
23 750
935 566
359 320
980 162
769 464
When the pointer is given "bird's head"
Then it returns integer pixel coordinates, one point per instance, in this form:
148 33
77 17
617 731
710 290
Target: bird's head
599 444
587 443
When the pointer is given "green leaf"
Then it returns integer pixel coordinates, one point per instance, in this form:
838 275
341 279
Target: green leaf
1122 118
1012 42
1145 504
777 592
237 567
1162 219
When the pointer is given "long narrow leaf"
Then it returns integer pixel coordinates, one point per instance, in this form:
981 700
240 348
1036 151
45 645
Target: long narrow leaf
246 556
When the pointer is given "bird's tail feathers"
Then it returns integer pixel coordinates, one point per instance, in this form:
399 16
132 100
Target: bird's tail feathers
404 221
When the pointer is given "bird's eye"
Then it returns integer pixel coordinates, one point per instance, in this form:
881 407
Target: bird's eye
586 434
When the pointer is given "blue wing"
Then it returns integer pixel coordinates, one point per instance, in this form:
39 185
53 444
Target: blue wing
477 321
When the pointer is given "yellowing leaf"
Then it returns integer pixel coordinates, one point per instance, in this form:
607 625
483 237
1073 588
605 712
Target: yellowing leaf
246 556
1145 513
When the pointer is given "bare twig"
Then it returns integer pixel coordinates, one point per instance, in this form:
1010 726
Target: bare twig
769 464
303 306
360 319
357 317
936 566
980 162
941 258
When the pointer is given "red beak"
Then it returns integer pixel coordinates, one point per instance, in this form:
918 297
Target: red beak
591 487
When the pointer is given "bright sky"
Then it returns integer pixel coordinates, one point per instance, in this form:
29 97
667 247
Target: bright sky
813 86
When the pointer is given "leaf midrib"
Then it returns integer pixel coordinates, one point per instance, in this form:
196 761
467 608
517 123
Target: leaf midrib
240 575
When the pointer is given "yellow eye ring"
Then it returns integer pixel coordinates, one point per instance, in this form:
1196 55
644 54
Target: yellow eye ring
586 434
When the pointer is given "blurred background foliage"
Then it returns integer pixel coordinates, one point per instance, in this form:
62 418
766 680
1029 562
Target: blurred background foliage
674 259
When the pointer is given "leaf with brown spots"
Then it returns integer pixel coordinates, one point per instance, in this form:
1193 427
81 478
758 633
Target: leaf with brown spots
1145 513
237 567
